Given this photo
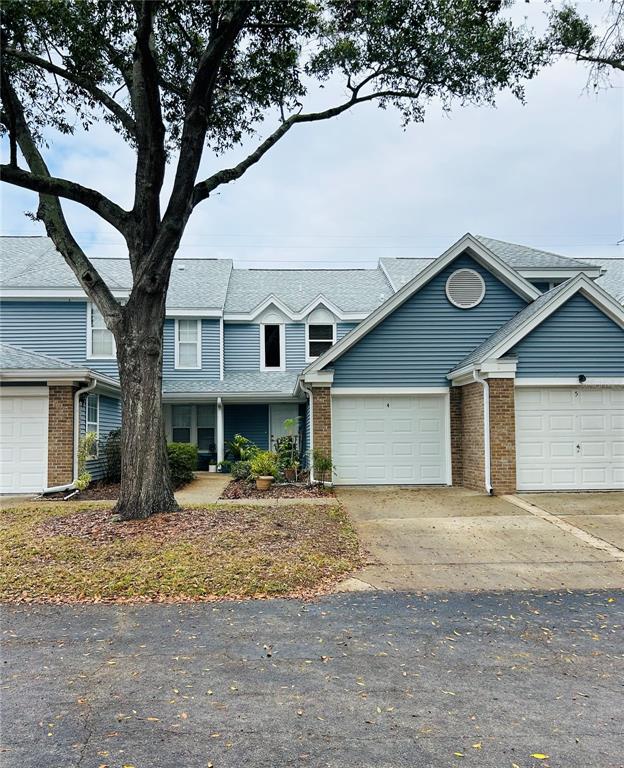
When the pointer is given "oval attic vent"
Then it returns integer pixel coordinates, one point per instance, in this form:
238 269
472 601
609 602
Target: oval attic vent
465 288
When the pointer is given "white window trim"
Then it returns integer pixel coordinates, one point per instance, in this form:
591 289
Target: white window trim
90 355
282 339
177 365
308 358
97 424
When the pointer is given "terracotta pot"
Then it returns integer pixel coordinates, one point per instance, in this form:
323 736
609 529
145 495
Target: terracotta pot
263 482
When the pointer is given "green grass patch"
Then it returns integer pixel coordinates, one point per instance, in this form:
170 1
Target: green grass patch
72 552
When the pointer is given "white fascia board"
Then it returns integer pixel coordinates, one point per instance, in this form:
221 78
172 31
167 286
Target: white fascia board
490 369
192 312
558 273
580 284
572 381
58 375
493 366
242 317
226 397
476 250
390 391
318 377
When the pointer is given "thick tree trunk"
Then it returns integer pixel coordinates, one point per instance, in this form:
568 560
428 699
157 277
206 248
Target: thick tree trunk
145 480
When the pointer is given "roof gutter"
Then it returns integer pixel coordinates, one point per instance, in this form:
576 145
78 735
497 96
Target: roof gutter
487 457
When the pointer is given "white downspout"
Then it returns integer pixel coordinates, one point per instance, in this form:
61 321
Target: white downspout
69 486
308 392
220 435
486 432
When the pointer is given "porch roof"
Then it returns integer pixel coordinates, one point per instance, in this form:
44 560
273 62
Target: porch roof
243 382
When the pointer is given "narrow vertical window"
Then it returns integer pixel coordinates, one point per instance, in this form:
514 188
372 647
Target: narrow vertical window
93 421
188 344
272 346
101 340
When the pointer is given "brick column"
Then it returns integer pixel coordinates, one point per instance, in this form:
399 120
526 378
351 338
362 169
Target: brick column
502 435
473 456
456 434
321 419
60 435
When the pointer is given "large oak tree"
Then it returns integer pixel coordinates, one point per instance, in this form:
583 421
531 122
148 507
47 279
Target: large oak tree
180 78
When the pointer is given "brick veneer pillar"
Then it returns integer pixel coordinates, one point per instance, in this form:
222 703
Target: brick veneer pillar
456 396
502 435
321 419
473 457
60 435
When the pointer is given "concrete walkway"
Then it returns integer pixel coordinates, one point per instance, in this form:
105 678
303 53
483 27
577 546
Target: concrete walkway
455 539
205 489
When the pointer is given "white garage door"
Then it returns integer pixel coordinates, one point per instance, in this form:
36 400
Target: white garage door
569 438
23 442
390 439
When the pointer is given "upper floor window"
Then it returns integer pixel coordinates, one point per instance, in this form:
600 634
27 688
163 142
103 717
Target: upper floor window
188 344
100 341
93 421
272 347
320 338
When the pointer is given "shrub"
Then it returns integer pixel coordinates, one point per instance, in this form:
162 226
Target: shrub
112 454
224 466
264 463
241 470
182 462
242 449
323 466
87 449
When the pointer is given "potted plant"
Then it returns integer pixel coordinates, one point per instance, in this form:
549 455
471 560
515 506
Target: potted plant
264 469
288 452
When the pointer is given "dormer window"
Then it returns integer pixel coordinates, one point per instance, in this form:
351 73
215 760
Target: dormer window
320 338
272 347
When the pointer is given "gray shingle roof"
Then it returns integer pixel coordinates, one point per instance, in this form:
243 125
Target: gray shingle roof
15 358
351 290
613 279
518 256
253 382
34 262
483 350
401 270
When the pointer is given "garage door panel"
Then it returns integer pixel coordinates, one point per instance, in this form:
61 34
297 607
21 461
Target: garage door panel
392 439
569 438
23 442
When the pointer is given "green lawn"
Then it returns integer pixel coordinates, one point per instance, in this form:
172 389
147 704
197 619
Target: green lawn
72 552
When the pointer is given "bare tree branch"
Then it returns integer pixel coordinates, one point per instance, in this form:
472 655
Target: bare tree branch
225 176
51 213
70 190
97 93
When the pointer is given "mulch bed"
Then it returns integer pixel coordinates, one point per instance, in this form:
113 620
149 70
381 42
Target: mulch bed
242 489
97 526
97 491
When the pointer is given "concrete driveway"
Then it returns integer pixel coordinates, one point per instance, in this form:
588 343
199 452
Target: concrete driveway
456 539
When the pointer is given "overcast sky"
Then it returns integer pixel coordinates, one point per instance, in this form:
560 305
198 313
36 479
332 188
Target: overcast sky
549 173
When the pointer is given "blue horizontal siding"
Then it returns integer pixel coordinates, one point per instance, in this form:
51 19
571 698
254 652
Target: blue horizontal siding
55 328
249 420
109 419
422 340
210 341
576 339
295 346
342 329
242 346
